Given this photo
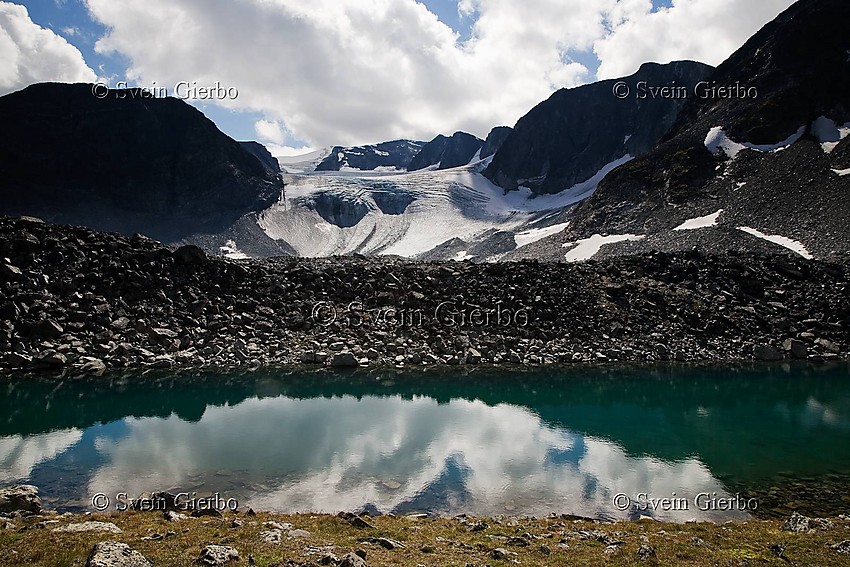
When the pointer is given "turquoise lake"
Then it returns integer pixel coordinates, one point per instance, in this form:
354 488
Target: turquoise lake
612 442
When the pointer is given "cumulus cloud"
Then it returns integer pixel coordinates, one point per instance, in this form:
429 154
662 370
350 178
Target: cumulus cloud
269 131
701 30
359 71
32 54
356 71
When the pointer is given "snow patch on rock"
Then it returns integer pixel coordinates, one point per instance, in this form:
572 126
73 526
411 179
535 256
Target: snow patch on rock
587 248
533 235
718 142
700 222
828 133
793 245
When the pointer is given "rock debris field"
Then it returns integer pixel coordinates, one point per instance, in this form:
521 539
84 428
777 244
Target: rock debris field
75 300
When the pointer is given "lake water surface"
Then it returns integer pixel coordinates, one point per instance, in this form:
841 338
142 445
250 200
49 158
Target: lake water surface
675 443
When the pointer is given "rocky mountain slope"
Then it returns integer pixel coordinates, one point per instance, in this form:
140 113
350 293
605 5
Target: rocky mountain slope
387 155
494 141
767 169
262 153
576 132
125 162
82 301
447 152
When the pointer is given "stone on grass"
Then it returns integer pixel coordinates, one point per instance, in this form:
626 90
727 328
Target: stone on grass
89 527
215 555
115 554
23 497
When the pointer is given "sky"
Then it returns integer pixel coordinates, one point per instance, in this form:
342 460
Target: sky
298 74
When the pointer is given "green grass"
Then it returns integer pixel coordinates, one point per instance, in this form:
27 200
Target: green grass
429 542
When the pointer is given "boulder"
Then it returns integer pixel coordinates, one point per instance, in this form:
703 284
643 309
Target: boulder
271 536
89 527
23 497
17 360
797 350
767 353
115 554
215 555
48 328
352 560
11 273
344 360
190 255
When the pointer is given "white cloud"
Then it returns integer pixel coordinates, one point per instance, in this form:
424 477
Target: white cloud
32 54
269 132
702 30
361 71
355 71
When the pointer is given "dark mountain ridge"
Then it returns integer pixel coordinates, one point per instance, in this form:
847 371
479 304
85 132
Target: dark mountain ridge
494 141
570 137
396 153
125 162
799 64
447 152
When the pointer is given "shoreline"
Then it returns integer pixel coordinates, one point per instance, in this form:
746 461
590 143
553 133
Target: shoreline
86 302
347 540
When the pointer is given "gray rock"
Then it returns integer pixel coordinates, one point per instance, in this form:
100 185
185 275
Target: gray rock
162 334
352 560
93 366
384 542
473 356
11 273
842 547
51 359
800 523
89 527
215 555
172 516
190 255
499 554
23 497
17 360
271 536
298 533
767 353
355 520
646 552
828 346
48 328
344 360
796 349
115 554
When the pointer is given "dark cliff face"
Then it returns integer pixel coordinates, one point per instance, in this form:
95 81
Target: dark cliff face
799 66
447 152
125 162
494 141
262 153
397 154
568 138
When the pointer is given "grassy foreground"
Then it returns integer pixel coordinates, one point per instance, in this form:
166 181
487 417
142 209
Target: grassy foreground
427 541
